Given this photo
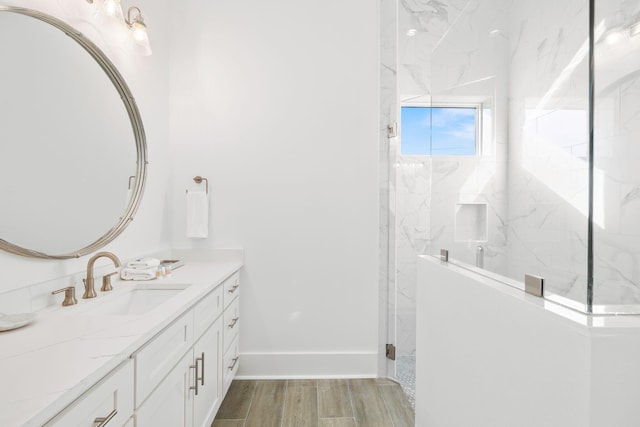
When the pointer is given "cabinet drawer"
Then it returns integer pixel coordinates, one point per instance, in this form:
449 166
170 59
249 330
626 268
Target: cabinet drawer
231 288
230 365
155 360
112 396
207 311
231 323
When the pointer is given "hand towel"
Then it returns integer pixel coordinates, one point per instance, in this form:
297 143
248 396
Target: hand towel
138 273
197 214
143 263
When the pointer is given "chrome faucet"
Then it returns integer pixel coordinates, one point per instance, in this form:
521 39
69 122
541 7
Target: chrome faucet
89 289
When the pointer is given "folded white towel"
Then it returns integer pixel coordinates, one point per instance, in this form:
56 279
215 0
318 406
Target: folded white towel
144 263
197 214
138 273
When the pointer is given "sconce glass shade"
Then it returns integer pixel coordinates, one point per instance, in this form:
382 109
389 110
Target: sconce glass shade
140 38
138 31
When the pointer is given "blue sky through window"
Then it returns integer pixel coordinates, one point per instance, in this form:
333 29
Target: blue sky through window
439 131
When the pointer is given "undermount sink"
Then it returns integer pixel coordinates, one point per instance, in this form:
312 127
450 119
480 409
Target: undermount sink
136 301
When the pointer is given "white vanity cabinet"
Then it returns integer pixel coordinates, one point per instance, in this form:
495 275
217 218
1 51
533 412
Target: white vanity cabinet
108 403
168 365
192 391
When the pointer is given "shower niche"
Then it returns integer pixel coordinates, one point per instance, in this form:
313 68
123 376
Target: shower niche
471 222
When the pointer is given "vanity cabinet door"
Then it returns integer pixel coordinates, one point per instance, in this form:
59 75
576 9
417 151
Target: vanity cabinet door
208 356
111 398
159 355
171 403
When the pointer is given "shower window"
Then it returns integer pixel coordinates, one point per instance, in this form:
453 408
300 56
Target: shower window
440 130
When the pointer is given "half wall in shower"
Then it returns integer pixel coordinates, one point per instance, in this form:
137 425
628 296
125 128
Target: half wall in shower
554 189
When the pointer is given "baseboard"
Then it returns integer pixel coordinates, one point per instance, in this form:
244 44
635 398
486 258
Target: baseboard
307 365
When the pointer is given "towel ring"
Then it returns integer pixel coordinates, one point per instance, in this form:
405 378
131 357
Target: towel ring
198 180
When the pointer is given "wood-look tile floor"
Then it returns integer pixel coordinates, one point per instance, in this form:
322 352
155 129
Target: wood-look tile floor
315 403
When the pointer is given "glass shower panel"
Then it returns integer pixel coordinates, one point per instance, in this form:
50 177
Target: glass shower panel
548 179
616 225
522 206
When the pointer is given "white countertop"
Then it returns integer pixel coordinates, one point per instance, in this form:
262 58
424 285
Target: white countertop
47 365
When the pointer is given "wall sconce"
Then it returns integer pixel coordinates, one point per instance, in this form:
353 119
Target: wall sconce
138 31
134 21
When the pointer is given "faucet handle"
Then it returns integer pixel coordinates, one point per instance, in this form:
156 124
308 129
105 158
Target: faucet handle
69 295
106 282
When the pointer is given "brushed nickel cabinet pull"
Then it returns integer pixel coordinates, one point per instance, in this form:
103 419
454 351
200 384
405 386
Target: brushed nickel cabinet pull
195 368
233 365
233 289
233 322
200 359
102 421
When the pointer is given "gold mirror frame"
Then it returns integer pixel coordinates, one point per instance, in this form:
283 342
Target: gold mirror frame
138 131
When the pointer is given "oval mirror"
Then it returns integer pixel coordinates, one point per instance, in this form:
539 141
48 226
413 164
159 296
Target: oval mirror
72 146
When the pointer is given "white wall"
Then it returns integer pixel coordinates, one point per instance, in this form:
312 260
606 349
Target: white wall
148 80
276 104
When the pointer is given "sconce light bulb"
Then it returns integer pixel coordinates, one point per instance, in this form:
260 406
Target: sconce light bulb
112 9
139 31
